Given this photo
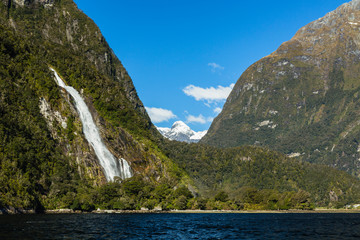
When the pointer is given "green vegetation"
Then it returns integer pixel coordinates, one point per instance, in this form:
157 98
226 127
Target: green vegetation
46 165
27 153
221 172
136 194
68 40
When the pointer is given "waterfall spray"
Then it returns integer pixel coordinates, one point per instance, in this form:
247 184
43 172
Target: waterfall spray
112 167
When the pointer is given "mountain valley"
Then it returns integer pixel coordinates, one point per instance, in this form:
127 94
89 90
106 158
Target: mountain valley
48 162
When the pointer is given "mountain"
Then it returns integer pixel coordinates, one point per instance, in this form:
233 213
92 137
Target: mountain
46 157
303 99
74 133
181 132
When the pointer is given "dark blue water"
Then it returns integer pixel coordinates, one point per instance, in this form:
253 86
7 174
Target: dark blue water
181 226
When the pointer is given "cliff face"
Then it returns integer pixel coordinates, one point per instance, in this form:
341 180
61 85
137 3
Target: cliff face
42 142
303 99
60 22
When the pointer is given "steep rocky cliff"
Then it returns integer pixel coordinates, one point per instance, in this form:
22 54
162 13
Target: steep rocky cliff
42 138
303 99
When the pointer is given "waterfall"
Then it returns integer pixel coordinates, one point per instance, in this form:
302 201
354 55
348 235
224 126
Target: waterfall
112 167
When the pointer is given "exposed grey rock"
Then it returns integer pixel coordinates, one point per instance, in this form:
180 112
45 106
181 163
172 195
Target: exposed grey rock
46 3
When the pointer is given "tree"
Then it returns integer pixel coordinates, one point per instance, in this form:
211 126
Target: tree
180 203
184 191
222 196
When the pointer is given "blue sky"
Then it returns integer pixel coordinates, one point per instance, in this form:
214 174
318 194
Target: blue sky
184 56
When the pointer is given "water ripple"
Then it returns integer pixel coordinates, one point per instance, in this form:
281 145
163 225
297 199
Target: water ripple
181 226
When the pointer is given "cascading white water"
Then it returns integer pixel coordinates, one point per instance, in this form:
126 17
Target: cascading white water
125 169
112 167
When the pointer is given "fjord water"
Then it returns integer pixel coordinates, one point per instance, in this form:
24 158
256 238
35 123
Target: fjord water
112 167
181 226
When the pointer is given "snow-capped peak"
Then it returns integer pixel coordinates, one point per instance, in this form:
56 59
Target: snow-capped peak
181 132
198 135
181 127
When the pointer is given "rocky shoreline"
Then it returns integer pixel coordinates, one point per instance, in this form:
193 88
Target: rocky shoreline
12 211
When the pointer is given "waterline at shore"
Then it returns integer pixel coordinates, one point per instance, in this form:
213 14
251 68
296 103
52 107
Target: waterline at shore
211 211
70 211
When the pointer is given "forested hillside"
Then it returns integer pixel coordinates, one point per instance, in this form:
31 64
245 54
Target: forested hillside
241 170
43 151
47 163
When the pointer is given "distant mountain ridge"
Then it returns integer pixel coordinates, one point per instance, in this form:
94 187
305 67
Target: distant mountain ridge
303 99
181 132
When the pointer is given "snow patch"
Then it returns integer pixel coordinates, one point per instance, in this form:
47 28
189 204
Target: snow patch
198 135
181 132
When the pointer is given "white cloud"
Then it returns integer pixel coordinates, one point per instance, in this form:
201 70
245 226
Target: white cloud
158 115
215 66
210 94
198 119
217 110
